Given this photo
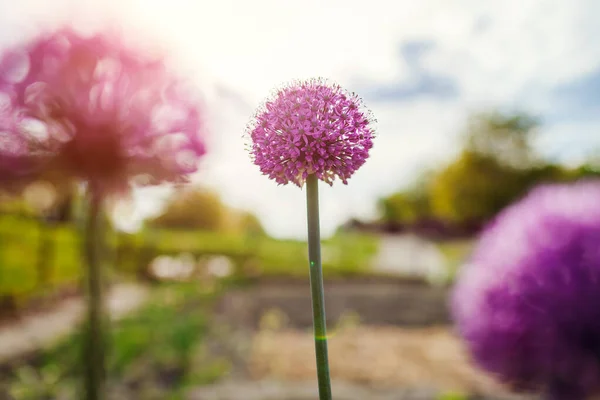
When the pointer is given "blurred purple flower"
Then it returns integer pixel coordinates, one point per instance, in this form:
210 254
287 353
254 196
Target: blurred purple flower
528 303
17 167
93 109
12 150
311 127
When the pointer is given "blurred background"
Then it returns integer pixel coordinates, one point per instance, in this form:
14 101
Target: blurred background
476 101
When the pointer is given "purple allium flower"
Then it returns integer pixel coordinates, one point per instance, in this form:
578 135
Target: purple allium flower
94 109
311 127
528 303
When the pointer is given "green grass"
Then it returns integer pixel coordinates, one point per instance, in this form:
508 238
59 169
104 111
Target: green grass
343 255
22 254
452 396
154 352
194 241
22 257
456 253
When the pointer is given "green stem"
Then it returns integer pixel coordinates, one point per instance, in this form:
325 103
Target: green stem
94 339
316 286
44 255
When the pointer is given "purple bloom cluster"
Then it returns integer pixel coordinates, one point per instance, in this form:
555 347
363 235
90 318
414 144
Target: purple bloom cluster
528 303
93 109
311 127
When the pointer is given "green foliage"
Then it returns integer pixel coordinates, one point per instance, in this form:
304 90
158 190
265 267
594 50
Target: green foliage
474 188
202 209
250 224
20 242
350 254
14 205
44 383
152 352
192 209
591 170
410 205
406 207
505 138
452 396
496 166
195 241
342 255
38 258
345 254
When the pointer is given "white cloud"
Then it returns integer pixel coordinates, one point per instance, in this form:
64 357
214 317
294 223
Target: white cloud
570 142
528 45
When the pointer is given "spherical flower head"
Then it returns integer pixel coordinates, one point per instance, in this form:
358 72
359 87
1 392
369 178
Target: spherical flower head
311 127
100 111
528 303
15 162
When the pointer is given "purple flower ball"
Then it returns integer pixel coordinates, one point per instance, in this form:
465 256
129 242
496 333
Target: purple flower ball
311 127
94 109
528 303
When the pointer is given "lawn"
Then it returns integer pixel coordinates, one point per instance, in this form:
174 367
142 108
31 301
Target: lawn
342 255
38 258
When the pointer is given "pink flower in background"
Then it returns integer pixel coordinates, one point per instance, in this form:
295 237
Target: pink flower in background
311 127
96 110
15 161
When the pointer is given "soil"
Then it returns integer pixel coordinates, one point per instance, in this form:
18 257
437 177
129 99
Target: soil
384 357
375 301
388 339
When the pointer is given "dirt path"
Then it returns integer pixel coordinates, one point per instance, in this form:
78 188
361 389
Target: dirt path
389 339
375 356
367 362
38 331
280 390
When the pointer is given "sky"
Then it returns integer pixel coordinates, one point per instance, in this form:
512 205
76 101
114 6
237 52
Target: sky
421 67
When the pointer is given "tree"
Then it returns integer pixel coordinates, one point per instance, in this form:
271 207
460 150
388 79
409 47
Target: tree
199 208
194 208
496 166
405 207
474 188
503 137
250 224
409 205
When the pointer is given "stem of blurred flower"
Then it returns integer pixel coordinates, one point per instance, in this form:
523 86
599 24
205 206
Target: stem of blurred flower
316 286
44 254
94 338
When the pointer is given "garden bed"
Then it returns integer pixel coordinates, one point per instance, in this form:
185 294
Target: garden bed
389 338
152 352
374 300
